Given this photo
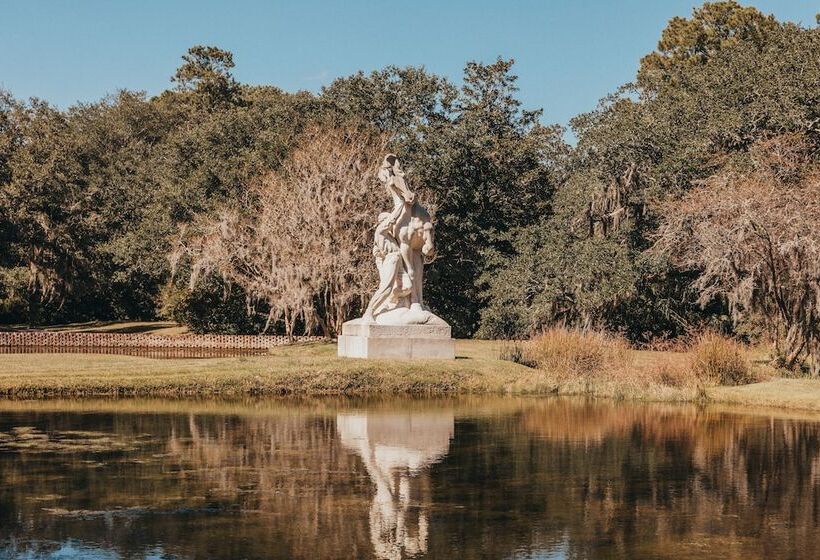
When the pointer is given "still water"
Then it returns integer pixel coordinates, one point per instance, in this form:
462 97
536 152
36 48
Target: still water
457 478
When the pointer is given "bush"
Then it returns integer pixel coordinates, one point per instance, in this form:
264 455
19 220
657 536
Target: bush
577 353
719 360
208 309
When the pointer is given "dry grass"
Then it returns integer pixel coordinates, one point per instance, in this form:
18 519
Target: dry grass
670 369
602 364
589 363
709 360
578 353
719 360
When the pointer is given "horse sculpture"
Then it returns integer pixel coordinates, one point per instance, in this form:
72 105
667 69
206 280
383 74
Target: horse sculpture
403 241
396 323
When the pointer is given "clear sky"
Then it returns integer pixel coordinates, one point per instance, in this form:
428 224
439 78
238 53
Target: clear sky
569 53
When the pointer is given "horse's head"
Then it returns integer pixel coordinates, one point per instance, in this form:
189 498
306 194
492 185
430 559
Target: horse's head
392 175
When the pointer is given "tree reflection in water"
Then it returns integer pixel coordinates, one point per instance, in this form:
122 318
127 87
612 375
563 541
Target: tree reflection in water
461 478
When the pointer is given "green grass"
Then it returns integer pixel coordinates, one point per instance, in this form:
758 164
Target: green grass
313 370
308 369
802 394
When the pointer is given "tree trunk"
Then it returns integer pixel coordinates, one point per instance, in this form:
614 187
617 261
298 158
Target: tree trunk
795 342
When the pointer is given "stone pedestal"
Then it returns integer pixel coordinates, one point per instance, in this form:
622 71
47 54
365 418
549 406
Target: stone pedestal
398 324
360 339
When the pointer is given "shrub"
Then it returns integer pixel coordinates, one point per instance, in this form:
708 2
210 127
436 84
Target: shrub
208 308
578 353
719 360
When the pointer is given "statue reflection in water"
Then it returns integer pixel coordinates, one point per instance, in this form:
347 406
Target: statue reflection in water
397 449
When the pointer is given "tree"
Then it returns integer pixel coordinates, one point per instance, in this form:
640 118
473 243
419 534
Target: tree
300 245
46 227
713 27
492 169
206 72
206 158
398 101
558 274
751 234
91 197
720 82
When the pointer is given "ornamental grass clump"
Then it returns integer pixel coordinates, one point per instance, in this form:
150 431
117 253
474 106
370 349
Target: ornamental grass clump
719 360
579 353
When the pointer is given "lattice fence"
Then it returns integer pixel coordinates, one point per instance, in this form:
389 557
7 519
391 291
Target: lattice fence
137 340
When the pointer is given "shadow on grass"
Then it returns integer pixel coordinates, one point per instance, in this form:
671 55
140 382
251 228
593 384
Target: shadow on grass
116 327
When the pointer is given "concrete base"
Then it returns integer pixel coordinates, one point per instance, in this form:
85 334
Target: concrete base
408 342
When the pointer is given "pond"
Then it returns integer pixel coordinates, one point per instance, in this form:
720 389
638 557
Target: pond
520 478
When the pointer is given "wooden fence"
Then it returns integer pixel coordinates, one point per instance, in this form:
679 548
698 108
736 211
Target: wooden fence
137 340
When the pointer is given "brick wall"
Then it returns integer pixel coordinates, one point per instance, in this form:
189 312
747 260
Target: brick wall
136 340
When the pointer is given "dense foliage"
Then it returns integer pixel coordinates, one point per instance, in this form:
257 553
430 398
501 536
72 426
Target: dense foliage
531 231
720 86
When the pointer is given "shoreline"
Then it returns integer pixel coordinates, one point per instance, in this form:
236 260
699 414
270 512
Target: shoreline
474 405
313 370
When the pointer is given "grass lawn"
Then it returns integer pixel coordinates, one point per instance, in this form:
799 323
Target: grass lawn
308 369
313 369
803 394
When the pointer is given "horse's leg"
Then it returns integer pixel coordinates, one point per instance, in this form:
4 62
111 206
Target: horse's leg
418 276
409 263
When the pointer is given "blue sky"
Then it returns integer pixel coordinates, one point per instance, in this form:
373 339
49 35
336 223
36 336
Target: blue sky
568 53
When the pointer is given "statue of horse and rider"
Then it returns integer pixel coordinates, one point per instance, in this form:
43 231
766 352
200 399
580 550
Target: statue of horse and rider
402 242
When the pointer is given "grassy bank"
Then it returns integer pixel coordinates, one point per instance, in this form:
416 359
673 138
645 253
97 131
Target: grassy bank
310 369
313 369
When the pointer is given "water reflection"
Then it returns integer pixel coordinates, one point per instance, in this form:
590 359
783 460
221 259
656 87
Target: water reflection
397 449
460 478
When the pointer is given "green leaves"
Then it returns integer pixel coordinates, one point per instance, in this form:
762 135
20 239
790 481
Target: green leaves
720 81
91 198
715 26
206 74
490 166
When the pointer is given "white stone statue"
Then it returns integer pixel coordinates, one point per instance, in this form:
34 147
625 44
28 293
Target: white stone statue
396 323
403 240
